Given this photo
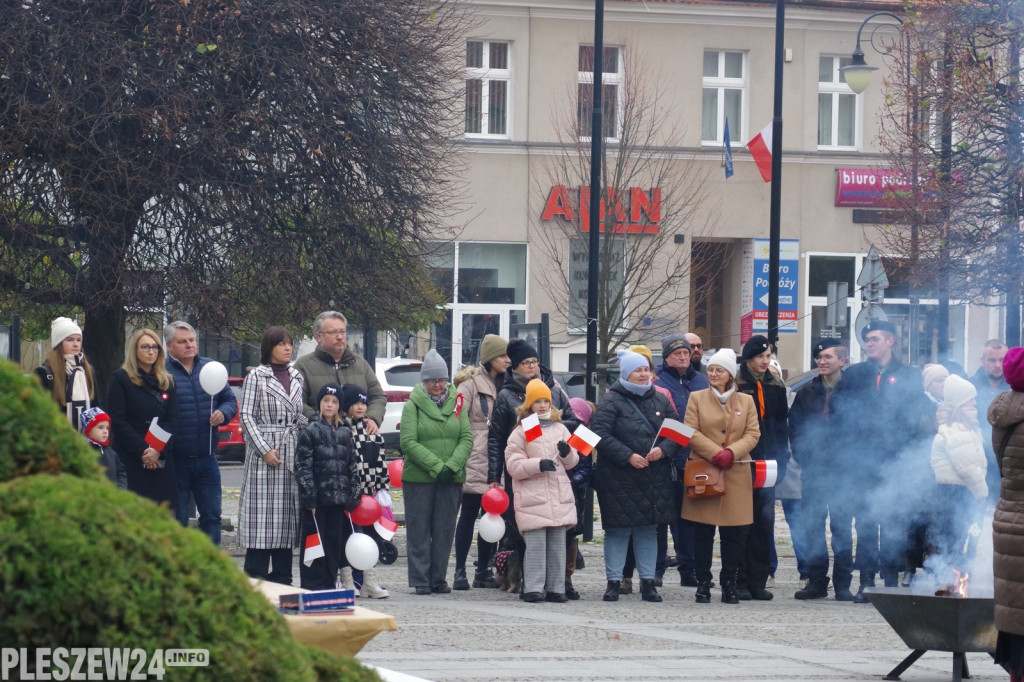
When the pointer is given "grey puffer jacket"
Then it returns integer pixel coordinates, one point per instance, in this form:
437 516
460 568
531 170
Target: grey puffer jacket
1006 414
325 466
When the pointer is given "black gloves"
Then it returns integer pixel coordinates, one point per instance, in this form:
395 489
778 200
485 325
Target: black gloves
547 465
563 449
446 475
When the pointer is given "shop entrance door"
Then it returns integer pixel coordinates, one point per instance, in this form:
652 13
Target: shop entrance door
469 331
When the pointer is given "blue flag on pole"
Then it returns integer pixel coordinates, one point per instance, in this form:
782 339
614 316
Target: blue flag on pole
728 152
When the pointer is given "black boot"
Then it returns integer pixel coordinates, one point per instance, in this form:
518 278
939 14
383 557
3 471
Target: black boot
612 593
648 592
570 591
729 593
813 590
460 582
703 595
483 578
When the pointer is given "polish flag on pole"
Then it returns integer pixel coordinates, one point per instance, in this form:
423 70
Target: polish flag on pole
531 425
766 473
676 431
584 440
156 437
386 528
761 149
313 549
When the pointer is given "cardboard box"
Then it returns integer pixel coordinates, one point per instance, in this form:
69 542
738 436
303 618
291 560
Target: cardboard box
321 601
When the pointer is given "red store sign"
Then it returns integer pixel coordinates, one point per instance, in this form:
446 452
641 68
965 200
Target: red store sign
636 211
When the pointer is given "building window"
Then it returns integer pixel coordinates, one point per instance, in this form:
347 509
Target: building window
837 106
725 75
488 76
611 91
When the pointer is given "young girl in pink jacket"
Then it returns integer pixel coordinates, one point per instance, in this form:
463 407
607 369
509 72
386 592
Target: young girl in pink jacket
544 503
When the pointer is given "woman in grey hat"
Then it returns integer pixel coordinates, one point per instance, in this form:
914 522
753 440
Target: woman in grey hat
436 443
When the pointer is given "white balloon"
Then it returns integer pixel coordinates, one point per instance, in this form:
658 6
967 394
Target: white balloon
492 527
361 551
213 377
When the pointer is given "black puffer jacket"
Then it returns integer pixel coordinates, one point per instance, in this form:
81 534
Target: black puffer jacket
504 420
325 466
628 496
774 423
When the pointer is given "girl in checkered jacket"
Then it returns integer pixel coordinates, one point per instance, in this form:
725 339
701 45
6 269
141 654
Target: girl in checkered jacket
371 470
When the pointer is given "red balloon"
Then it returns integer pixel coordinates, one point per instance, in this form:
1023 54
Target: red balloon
495 501
367 512
395 472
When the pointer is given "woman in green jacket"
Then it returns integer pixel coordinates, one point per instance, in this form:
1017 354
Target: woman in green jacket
436 442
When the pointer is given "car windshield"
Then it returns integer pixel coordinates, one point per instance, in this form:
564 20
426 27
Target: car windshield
403 375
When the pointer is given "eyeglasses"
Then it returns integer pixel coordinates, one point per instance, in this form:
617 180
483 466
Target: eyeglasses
436 382
147 348
696 345
530 363
337 333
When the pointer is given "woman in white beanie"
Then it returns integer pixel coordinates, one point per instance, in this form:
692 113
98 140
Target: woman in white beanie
959 463
726 430
65 372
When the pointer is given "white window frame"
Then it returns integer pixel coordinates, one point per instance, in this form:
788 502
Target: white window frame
486 75
616 78
835 89
722 83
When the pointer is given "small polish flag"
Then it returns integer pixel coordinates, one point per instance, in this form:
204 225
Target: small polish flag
761 149
156 437
584 440
676 431
531 425
314 550
766 473
386 528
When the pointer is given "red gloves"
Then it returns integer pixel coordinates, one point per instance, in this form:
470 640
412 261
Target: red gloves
723 459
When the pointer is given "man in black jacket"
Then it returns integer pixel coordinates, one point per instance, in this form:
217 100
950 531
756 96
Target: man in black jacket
769 394
886 417
818 443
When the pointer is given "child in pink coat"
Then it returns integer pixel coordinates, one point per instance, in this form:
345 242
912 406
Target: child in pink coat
544 503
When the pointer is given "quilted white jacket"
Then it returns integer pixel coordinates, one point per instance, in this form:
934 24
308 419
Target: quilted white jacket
958 458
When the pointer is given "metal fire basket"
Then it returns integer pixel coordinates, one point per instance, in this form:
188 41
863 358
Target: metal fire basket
926 622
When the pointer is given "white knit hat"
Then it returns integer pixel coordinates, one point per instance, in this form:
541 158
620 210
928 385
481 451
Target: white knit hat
62 328
957 391
726 359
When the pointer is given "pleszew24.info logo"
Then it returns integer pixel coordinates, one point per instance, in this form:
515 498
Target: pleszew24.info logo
94 663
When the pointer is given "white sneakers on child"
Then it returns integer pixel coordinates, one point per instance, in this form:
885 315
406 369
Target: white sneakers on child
371 589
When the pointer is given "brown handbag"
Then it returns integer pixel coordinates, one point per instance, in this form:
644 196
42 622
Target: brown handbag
702 480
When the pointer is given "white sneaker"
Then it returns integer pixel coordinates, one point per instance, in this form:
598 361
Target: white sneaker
770 582
345 581
371 589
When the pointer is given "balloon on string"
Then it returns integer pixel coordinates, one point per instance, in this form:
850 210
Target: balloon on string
492 527
213 377
367 513
495 501
361 551
395 472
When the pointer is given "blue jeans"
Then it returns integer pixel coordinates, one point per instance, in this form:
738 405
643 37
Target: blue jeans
645 549
200 477
795 520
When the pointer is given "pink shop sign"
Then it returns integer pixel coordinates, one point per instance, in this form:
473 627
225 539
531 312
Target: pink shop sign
868 187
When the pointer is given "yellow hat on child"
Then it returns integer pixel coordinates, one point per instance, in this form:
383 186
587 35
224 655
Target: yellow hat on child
536 390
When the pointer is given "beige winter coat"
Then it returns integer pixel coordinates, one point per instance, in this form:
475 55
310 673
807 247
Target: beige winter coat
478 392
732 426
958 458
543 499
1006 413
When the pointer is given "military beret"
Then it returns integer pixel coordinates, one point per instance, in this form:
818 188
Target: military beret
823 344
877 326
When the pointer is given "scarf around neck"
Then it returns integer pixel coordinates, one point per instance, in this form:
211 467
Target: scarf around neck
78 383
635 389
723 397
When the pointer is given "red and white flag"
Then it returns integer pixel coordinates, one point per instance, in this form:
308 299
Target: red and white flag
156 437
584 440
385 527
766 473
676 431
531 425
314 550
761 149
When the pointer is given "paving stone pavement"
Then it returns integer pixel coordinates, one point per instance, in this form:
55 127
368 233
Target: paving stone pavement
491 635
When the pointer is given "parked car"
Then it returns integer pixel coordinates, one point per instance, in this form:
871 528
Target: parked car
231 447
798 381
574 383
397 376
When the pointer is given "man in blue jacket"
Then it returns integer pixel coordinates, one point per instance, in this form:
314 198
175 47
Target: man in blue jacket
196 439
680 377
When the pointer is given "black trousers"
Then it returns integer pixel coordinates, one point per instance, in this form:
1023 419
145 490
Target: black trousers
756 558
824 497
335 530
258 565
468 516
733 540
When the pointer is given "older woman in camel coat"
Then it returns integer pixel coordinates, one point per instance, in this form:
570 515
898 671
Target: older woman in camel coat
726 431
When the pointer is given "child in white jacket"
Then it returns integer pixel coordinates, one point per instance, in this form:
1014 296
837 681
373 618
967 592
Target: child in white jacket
959 464
544 503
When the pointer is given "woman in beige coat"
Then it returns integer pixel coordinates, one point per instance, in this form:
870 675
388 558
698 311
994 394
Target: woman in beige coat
478 387
726 431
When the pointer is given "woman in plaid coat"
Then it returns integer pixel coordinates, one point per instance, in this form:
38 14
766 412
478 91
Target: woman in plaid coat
271 417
